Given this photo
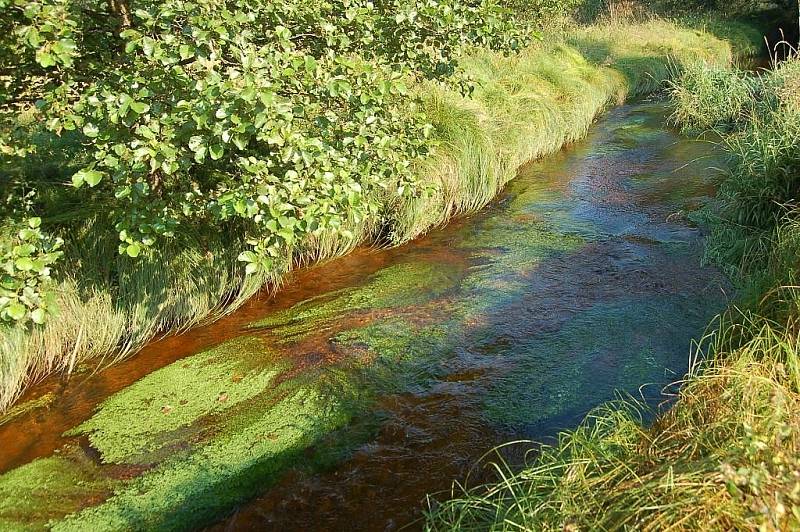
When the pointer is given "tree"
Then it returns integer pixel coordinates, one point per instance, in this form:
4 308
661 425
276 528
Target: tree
281 118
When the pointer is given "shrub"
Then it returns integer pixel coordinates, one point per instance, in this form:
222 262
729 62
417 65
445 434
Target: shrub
282 120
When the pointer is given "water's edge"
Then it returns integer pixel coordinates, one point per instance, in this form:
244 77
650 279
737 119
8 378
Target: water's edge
377 378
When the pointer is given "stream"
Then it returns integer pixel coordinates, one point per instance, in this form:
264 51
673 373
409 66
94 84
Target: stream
377 379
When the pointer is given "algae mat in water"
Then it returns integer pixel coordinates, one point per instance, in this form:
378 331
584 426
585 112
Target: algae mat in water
344 410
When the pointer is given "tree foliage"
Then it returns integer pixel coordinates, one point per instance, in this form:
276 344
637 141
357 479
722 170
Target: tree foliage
285 117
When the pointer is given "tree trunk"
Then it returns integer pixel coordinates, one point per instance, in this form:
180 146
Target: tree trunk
123 11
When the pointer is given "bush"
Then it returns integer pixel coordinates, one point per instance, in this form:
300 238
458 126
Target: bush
283 120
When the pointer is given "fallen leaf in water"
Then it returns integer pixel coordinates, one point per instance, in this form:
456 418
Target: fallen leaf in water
166 409
222 397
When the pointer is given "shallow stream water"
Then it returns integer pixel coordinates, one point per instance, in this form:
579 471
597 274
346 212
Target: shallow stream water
376 379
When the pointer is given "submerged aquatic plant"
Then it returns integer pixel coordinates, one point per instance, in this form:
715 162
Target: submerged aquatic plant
724 456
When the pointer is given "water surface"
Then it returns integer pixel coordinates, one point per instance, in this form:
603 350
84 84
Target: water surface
376 379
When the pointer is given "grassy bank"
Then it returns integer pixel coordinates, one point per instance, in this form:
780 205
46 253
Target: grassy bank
725 456
524 106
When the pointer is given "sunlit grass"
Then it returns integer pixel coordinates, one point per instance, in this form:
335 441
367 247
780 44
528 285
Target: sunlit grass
725 457
726 454
523 107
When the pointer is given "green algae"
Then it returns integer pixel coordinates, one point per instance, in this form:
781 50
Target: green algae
409 351
261 433
521 231
400 285
395 339
592 351
167 406
521 240
510 250
188 491
405 354
49 488
258 432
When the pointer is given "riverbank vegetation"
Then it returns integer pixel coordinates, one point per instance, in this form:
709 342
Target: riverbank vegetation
724 456
162 162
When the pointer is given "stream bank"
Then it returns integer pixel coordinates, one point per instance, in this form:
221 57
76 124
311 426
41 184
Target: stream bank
378 378
524 106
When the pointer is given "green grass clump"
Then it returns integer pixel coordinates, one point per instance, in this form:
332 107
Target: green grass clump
760 192
712 98
725 456
531 104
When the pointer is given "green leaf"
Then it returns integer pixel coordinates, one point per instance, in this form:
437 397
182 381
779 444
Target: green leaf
133 250
195 142
216 151
45 59
240 142
34 222
139 108
90 130
283 33
247 256
148 45
23 263
90 177
93 177
38 316
185 51
147 133
16 311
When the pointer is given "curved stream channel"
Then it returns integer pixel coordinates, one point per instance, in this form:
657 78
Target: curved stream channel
376 379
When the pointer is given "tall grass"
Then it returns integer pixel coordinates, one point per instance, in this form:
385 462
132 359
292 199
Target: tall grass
524 107
530 105
726 456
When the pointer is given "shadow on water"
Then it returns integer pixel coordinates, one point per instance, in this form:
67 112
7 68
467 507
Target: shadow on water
583 279
577 286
